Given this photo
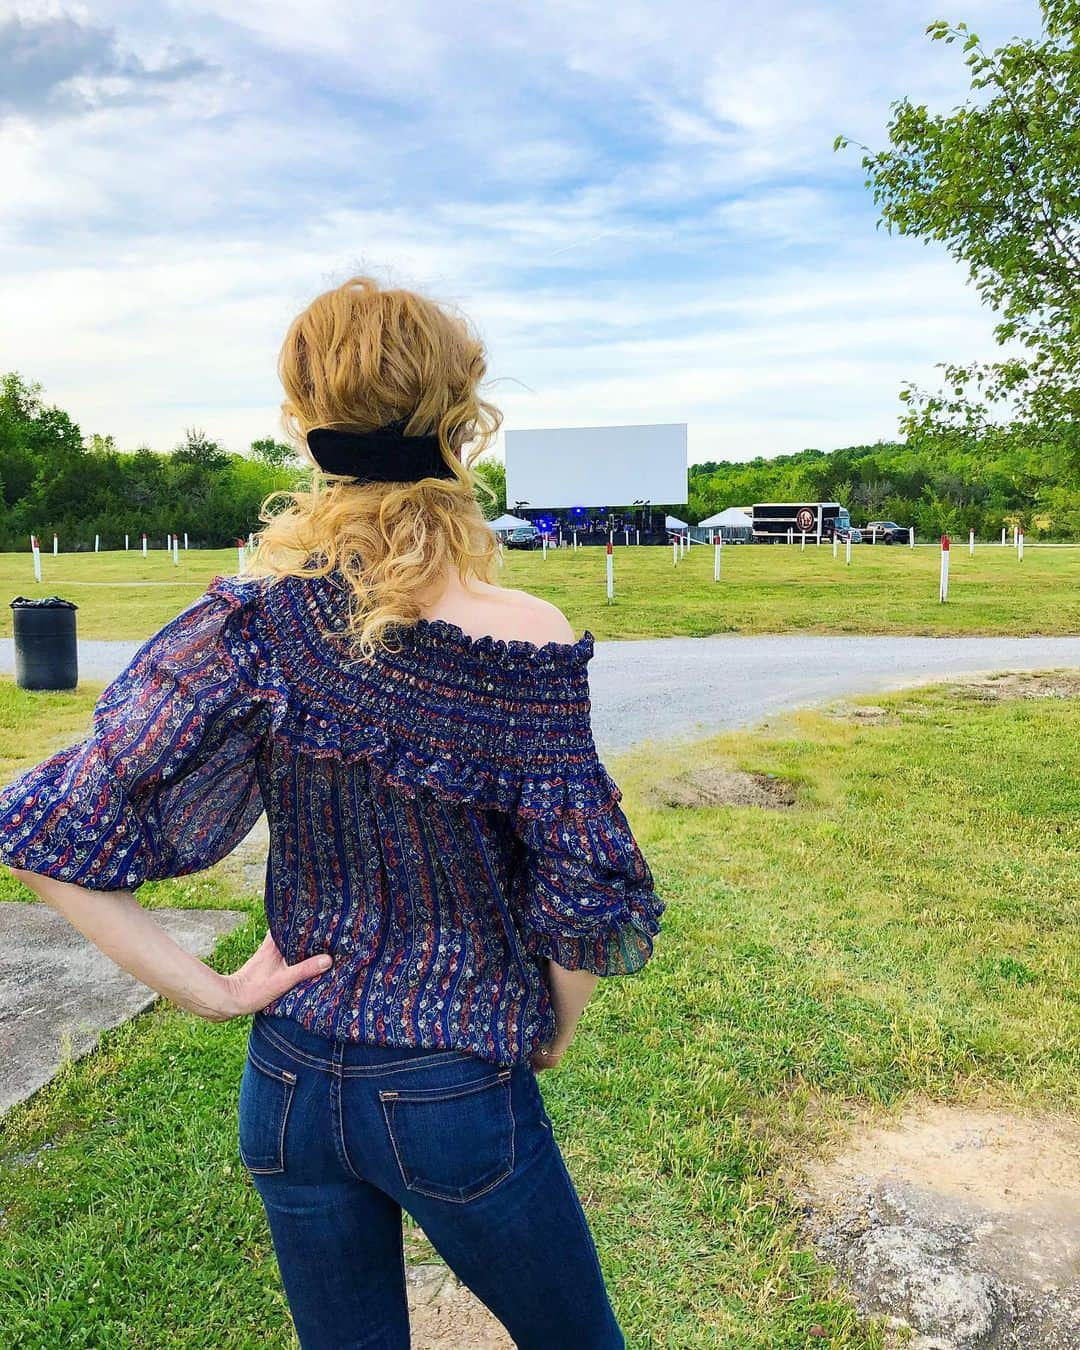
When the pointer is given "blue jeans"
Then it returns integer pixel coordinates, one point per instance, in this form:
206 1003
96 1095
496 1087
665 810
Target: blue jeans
339 1138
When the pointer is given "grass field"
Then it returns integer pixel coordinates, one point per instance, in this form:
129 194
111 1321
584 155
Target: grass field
908 928
762 590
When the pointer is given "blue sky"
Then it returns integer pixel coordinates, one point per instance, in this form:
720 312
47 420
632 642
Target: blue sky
637 205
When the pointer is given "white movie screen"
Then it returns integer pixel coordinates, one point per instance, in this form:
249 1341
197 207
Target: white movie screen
566 467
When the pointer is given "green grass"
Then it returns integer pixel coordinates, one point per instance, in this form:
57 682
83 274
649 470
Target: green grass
763 590
908 930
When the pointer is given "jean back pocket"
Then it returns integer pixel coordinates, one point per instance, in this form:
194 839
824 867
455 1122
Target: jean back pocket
266 1093
453 1142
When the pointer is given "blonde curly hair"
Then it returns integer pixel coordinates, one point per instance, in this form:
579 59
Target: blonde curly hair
360 356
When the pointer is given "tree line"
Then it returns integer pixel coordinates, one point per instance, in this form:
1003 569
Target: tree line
941 484
52 479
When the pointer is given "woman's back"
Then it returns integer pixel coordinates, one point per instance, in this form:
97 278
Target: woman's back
439 819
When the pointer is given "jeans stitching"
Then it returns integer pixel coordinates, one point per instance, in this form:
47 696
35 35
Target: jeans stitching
337 1109
300 1055
282 1075
438 1195
357 1071
289 1089
441 1094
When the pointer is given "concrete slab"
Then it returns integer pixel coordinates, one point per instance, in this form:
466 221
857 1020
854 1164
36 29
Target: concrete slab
58 993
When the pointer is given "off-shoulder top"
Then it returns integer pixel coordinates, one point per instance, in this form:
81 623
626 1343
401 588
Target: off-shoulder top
439 819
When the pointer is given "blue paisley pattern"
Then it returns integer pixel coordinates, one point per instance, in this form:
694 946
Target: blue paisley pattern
439 818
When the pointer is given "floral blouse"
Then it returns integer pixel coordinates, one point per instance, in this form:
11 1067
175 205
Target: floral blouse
439 819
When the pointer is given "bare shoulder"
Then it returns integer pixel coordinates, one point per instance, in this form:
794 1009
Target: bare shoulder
544 621
507 614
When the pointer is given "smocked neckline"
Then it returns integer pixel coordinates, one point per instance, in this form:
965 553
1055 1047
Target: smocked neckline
325 596
444 632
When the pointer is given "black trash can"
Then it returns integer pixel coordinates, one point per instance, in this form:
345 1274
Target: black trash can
46 649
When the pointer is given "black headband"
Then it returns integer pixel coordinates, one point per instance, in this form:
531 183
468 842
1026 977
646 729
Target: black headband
385 455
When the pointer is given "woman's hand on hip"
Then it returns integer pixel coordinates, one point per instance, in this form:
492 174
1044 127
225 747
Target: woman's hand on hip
264 977
128 934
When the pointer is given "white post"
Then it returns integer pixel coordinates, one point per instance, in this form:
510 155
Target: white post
144 544
1016 537
251 540
1020 548
1003 533
97 543
176 550
637 536
971 543
719 544
803 549
834 543
943 594
127 543
240 554
626 534
819 525
55 545
791 534
610 574
911 536
674 551
543 546
575 540
185 541
847 551
35 548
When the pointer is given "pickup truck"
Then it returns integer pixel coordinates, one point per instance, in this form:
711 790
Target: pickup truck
885 532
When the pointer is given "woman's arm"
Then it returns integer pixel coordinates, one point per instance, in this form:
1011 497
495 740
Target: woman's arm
570 992
115 922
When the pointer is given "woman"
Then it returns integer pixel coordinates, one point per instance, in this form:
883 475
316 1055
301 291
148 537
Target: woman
449 869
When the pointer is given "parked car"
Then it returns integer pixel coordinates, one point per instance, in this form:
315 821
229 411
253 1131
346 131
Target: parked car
885 532
842 533
523 536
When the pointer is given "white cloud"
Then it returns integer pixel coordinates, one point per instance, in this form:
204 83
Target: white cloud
639 208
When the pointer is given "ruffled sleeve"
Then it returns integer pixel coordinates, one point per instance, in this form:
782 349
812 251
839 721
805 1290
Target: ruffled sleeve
588 899
584 895
166 781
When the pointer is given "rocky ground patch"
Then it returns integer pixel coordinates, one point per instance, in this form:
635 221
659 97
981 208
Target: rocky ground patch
959 1226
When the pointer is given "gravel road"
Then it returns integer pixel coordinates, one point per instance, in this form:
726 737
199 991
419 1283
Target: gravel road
685 688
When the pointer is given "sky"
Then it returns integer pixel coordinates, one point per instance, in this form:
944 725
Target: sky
638 207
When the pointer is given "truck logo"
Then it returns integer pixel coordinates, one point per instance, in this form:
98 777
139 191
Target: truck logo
805 520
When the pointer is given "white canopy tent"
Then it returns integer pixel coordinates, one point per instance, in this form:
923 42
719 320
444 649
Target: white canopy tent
506 522
732 524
